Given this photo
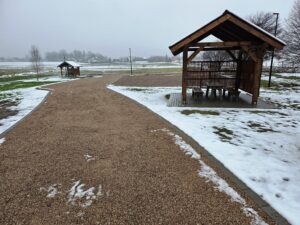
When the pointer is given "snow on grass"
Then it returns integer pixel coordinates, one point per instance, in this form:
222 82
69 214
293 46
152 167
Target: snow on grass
211 175
260 146
30 98
2 140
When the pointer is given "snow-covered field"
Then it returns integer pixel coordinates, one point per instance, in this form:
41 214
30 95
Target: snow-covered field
91 67
261 146
29 98
25 100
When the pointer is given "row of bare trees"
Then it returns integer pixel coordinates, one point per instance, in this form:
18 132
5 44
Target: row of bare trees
290 33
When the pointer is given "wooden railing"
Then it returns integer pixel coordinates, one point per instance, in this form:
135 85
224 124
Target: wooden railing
211 73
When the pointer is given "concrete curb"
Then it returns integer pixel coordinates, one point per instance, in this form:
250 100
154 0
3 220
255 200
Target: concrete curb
261 204
36 108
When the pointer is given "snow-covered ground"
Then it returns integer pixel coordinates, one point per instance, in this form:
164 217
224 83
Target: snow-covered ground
261 146
91 67
29 99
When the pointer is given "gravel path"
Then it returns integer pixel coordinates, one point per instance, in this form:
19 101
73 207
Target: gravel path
157 80
86 134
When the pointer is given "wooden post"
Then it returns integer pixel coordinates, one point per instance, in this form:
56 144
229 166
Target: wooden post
257 77
184 74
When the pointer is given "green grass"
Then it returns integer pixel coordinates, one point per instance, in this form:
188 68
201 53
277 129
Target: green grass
137 89
16 78
202 112
224 133
286 77
8 71
17 85
259 128
267 112
5 96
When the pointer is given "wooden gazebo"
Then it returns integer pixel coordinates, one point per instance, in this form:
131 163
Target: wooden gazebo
245 43
72 68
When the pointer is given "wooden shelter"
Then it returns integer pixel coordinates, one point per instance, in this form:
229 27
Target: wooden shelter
245 43
72 68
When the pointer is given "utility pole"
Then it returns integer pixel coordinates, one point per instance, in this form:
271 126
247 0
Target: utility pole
130 61
272 57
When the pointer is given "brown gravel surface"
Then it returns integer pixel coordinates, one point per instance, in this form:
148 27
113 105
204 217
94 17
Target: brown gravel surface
145 178
157 80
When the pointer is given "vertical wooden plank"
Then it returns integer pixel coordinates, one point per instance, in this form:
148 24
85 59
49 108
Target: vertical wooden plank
257 77
184 74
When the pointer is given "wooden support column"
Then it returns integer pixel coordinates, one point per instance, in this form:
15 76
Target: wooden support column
257 77
256 54
238 72
184 74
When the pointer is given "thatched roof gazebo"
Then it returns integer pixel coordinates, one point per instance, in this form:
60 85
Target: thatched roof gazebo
245 43
72 68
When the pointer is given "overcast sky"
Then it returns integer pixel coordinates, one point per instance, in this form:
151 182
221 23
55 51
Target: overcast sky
110 27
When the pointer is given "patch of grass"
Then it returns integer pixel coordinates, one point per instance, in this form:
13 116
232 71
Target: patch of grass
17 78
11 71
292 77
136 89
4 96
167 96
17 85
267 112
224 133
202 112
259 128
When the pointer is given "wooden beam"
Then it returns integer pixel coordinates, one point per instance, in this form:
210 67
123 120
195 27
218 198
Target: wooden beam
176 48
184 74
250 53
192 49
223 44
221 48
231 55
195 53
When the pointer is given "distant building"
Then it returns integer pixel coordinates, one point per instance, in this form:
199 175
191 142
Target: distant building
71 68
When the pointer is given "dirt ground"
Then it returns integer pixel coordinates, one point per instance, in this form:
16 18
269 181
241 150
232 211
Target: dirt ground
141 177
161 80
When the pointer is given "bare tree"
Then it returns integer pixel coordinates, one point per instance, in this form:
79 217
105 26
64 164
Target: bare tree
267 21
215 56
35 59
291 52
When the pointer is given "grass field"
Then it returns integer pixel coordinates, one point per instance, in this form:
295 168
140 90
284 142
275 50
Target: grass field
20 84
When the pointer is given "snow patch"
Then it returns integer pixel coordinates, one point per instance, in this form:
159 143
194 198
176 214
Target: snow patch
31 98
84 198
211 175
2 140
52 190
89 158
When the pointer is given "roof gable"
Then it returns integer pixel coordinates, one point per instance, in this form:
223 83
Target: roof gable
229 27
70 63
